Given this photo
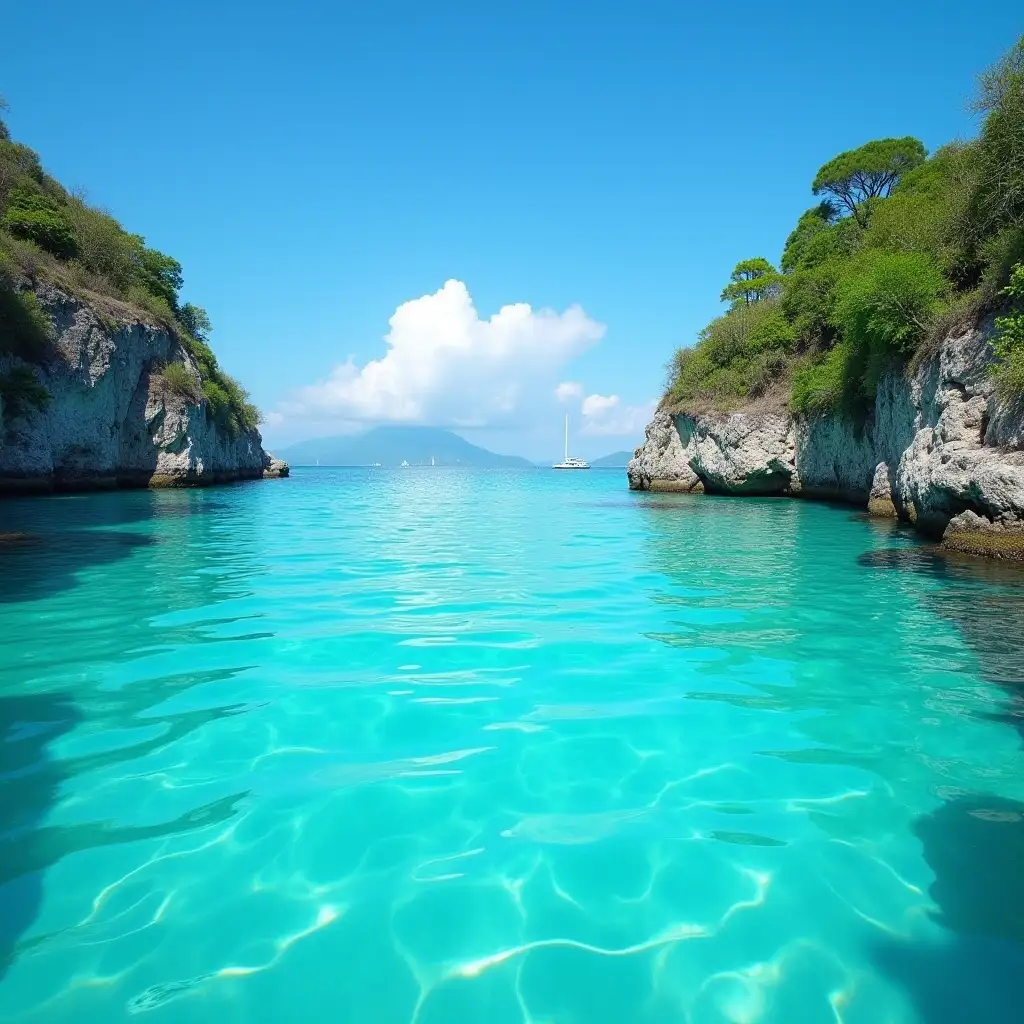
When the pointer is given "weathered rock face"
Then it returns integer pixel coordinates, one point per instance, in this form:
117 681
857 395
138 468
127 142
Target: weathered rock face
112 420
736 454
661 463
942 452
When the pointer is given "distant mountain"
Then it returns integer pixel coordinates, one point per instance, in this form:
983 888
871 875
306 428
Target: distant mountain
391 446
617 460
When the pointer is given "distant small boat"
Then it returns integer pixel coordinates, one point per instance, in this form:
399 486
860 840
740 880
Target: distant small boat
405 465
570 462
431 459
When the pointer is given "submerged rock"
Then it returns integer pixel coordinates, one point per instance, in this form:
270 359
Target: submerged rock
274 467
941 451
112 419
880 501
979 536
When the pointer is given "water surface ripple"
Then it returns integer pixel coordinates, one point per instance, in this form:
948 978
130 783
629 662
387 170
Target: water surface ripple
518 747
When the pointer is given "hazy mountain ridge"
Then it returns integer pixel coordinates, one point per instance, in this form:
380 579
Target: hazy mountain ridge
617 460
393 445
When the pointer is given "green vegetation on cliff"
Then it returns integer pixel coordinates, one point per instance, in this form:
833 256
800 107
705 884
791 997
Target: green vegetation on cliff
1009 344
901 247
49 234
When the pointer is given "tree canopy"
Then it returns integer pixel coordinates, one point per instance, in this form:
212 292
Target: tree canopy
751 281
858 176
811 224
161 273
196 321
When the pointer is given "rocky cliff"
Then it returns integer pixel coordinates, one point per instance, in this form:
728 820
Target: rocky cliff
942 451
112 419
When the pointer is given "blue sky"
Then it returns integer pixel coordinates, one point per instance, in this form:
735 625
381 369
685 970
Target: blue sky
315 166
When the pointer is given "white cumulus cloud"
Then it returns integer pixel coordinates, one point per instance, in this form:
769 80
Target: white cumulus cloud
568 389
605 415
444 364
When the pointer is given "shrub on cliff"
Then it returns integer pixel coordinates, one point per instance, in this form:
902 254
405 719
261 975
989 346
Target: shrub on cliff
1000 254
1009 339
106 250
822 382
885 306
738 356
182 381
808 301
32 215
228 405
928 212
244 414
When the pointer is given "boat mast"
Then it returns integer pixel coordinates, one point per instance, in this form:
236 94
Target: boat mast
566 437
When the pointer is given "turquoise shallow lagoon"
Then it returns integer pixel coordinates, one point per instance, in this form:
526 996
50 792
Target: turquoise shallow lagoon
450 747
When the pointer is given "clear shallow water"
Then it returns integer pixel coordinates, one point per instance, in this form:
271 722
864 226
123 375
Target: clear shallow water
507 747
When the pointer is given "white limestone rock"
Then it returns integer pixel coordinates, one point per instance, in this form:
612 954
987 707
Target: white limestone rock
661 463
880 501
112 420
737 453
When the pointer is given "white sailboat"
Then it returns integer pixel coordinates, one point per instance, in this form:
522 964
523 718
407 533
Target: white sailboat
569 462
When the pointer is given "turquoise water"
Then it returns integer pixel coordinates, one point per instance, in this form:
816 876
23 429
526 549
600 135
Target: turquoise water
445 747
